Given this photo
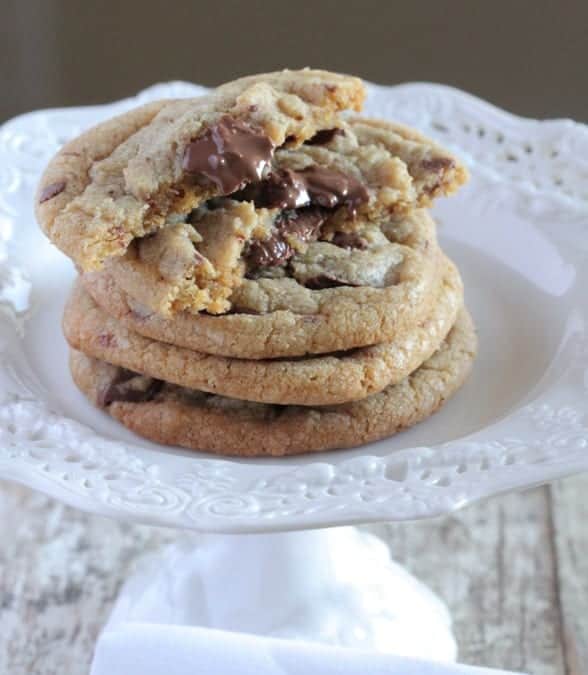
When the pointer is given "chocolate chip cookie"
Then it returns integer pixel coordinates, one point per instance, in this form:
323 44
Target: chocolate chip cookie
122 179
335 296
161 201
172 415
259 275
322 380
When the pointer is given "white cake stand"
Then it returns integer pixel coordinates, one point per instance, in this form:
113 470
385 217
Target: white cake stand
519 233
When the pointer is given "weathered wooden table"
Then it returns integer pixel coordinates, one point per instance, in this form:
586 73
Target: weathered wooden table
514 572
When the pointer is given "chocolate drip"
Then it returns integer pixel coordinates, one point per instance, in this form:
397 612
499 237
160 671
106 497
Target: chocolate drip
230 154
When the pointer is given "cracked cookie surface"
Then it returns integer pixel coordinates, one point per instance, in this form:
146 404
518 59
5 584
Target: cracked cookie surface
316 193
275 315
166 180
320 380
172 415
122 178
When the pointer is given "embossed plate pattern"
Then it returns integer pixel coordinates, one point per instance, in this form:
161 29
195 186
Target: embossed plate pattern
519 233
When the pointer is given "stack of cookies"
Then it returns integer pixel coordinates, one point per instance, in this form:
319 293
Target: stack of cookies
258 274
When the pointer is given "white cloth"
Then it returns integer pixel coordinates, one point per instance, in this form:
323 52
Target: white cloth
204 606
156 649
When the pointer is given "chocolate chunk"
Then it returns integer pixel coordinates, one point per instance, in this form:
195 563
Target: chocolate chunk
280 190
324 136
268 252
329 188
304 224
121 376
51 190
229 154
349 240
288 189
129 387
437 164
323 281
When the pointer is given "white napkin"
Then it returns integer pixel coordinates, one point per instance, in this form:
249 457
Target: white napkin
206 604
158 649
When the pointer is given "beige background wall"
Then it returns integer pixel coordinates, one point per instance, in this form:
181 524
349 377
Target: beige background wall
528 56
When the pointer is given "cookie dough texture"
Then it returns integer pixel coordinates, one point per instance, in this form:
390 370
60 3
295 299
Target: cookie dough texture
321 380
398 167
259 275
212 423
121 178
148 170
279 317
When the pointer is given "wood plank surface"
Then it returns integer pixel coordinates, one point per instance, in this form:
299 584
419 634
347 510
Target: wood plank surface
570 524
493 564
513 570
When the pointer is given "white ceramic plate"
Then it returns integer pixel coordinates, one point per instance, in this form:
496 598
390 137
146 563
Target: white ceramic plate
519 233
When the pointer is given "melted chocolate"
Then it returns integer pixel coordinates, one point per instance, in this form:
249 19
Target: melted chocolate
52 190
269 252
329 188
319 283
280 190
349 240
229 154
233 156
122 388
304 224
316 185
324 136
